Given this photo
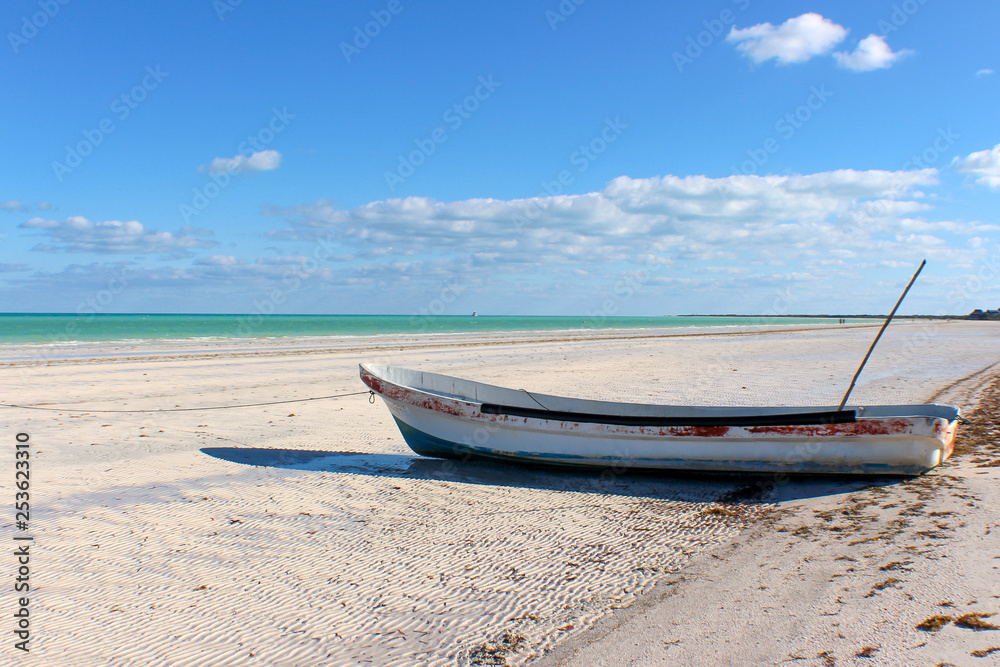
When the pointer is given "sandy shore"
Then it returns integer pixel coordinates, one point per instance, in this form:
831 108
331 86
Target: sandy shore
308 533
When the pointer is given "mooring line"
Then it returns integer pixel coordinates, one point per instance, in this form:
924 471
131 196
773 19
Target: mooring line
210 407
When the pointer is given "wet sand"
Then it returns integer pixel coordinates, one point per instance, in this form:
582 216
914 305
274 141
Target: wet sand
307 533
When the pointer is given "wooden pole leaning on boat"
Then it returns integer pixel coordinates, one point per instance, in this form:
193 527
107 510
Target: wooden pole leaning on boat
880 331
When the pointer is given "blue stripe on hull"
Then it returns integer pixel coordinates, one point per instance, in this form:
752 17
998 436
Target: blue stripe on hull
426 444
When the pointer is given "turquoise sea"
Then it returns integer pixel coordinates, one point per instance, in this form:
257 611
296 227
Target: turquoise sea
67 328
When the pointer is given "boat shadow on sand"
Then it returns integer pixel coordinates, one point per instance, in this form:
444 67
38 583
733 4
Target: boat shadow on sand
676 485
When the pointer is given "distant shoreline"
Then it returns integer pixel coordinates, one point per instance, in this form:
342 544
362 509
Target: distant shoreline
453 315
883 315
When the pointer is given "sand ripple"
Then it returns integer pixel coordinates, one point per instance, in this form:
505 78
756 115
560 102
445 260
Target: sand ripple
339 566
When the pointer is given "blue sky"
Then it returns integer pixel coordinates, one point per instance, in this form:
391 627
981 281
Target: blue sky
392 156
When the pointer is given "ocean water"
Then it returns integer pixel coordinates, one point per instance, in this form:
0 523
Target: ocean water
20 328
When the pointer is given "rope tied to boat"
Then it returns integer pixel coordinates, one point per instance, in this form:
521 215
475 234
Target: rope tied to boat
207 407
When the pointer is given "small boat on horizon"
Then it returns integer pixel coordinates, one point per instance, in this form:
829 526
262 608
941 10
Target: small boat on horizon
447 417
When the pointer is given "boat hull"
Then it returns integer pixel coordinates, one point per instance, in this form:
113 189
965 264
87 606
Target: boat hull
443 417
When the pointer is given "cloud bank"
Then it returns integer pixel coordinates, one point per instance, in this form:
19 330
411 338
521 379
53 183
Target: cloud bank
733 220
731 242
77 234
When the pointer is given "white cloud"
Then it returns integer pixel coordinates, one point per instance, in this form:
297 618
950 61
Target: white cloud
694 218
44 205
13 205
794 41
984 165
77 234
984 72
871 53
260 161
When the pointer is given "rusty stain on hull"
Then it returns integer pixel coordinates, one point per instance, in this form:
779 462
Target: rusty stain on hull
404 395
860 427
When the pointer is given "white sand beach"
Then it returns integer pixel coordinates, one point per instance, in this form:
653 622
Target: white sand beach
309 534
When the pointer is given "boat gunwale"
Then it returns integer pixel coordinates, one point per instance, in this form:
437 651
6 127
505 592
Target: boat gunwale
711 415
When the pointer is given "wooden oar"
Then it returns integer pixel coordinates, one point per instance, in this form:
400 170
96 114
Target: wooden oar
875 342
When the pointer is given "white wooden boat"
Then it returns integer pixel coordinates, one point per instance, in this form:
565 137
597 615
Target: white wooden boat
449 417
